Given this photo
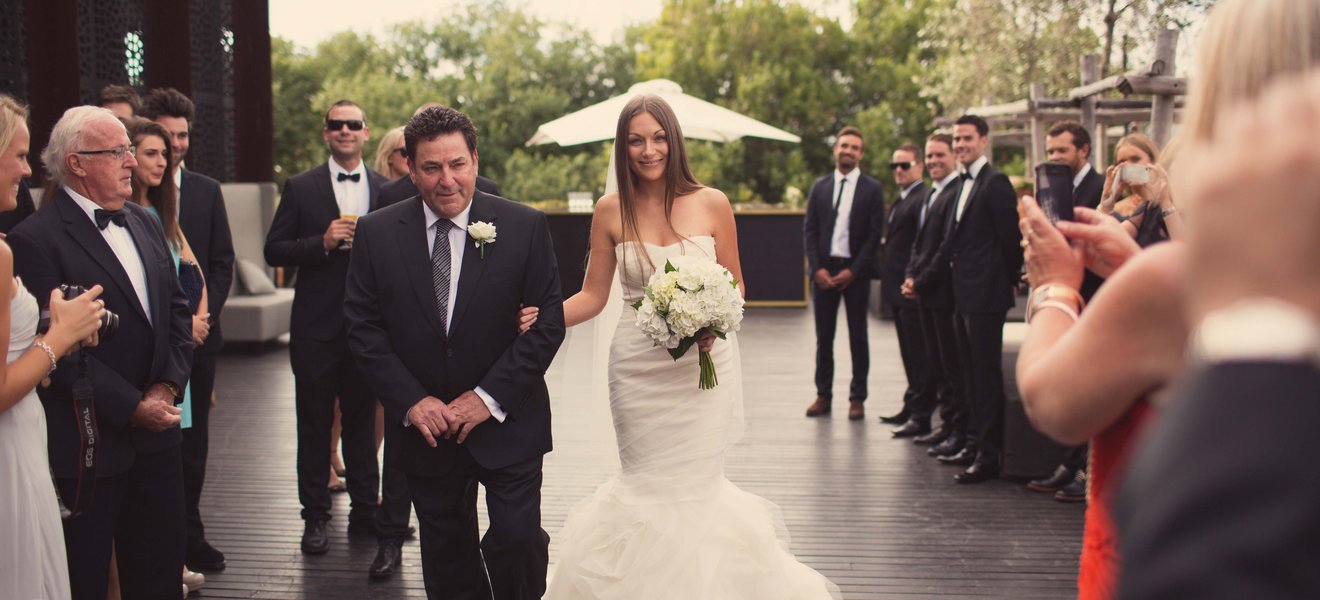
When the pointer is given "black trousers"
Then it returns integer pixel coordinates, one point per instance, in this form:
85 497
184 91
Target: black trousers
945 366
920 397
196 441
825 304
514 551
981 346
141 512
396 500
323 371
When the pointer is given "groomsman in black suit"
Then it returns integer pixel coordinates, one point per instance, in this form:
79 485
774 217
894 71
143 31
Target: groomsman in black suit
901 233
841 232
929 282
313 230
1069 143
432 307
86 234
205 223
986 259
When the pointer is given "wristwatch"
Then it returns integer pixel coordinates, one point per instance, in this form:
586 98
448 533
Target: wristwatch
169 385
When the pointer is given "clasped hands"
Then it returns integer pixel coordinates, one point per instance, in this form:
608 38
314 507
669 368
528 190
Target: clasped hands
435 419
156 412
840 281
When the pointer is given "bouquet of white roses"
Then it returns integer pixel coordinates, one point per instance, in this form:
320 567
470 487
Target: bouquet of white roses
690 296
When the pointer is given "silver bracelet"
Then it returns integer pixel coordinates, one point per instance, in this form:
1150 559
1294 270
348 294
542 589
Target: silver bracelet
54 362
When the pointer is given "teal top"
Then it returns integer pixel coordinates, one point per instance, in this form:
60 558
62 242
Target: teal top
186 405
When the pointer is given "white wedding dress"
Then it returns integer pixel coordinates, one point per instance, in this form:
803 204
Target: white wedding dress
32 560
670 526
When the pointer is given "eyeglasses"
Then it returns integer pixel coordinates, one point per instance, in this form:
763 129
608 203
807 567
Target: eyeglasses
116 153
337 124
903 166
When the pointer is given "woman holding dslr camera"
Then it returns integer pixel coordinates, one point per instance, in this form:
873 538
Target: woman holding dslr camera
32 557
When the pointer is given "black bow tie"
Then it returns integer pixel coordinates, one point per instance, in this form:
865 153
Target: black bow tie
104 217
356 177
967 177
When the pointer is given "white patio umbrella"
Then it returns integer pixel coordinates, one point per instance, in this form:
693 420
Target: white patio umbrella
699 119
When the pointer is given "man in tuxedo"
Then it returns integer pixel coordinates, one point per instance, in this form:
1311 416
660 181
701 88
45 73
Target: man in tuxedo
313 230
900 234
205 223
403 188
929 282
983 248
432 308
87 234
1069 143
841 232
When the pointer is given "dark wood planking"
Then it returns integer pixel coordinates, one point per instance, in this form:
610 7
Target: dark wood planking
873 514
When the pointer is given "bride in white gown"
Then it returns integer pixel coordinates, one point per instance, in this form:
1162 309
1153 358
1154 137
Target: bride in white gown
670 525
32 560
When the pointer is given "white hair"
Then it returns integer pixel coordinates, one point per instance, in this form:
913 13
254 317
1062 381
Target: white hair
66 138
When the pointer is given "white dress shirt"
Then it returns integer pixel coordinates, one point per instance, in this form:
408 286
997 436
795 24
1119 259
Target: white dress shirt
456 240
1077 179
353 197
1257 330
121 243
973 171
839 241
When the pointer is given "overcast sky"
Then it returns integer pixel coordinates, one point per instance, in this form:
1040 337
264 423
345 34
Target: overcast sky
307 22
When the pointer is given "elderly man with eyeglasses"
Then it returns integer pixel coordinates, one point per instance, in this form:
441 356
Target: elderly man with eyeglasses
113 427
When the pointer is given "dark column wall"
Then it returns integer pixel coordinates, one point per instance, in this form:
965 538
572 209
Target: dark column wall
53 80
254 125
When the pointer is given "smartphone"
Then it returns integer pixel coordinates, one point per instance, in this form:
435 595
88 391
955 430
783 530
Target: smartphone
1054 190
1134 173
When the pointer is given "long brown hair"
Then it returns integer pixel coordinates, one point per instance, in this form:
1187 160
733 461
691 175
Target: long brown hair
164 197
678 177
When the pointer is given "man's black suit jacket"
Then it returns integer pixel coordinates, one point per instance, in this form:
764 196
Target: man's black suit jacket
904 220
60 244
1220 499
866 224
205 223
1089 190
396 336
306 209
403 188
929 265
984 249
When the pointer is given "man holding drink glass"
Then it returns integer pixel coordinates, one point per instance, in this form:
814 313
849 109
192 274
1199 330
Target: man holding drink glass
313 231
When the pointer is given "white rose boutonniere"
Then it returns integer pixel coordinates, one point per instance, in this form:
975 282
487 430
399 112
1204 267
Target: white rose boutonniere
482 233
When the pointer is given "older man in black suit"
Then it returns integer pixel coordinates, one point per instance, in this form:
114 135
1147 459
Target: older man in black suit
205 223
985 258
87 234
313 230
900 235
841 232
431 305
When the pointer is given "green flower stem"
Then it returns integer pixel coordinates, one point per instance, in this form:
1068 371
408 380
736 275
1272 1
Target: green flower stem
708 378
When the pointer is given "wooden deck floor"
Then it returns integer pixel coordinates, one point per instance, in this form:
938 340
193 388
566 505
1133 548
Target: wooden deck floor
874 514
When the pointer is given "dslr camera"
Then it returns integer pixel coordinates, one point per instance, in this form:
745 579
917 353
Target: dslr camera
109 321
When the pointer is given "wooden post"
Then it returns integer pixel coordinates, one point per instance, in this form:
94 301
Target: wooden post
1161 106
1089 75
1037 155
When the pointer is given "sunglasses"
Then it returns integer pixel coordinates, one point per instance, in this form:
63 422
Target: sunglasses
900 165
337 124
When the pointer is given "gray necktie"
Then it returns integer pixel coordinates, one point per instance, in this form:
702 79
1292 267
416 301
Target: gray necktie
441 269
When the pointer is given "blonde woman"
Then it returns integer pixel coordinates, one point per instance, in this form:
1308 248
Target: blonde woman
390 160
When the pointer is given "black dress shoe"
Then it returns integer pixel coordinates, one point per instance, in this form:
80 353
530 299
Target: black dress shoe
897 419
931 438
981 470
389 555
1074 491
314 539
912 428
949 447
203 557
1062 476
963 458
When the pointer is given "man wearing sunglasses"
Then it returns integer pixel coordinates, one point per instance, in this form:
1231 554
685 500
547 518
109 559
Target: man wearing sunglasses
313 231
841 233
900 235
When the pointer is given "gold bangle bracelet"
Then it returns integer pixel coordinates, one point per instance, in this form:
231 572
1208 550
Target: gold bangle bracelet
1068 310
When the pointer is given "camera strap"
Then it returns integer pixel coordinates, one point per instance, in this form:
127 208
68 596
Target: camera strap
85 415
